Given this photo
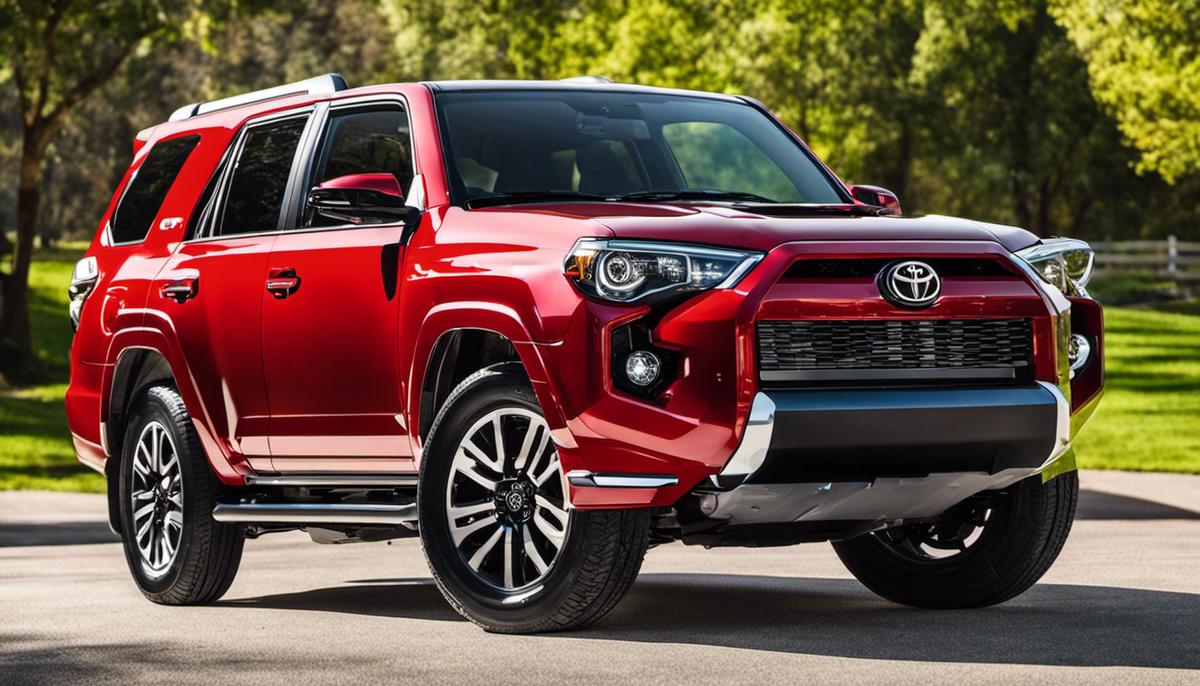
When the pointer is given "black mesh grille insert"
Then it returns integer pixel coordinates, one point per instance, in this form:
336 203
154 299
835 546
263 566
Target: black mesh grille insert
910 349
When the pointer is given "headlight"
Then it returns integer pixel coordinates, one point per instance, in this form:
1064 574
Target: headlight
1065 263
626 271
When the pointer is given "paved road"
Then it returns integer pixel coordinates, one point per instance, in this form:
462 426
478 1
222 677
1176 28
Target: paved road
1121 605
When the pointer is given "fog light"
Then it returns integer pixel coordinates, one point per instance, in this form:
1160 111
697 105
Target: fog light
1078 352
642 367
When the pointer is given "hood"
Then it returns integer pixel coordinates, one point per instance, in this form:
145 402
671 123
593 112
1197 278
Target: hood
721 225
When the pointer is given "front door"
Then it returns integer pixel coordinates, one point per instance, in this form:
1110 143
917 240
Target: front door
331 313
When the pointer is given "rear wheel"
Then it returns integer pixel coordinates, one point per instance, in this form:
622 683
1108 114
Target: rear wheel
177 553
505 548
984 551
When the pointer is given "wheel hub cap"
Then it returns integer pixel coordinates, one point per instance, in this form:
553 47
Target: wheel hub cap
515 500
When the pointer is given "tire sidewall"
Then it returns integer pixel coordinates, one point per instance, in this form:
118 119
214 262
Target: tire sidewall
477 598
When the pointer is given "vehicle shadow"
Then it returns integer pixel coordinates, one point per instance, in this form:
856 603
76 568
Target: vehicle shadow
1052 624
1093 505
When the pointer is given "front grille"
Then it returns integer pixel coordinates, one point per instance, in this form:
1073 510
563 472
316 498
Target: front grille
912 350
825 270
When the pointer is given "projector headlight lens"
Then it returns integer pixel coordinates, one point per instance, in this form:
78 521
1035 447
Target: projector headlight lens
629 271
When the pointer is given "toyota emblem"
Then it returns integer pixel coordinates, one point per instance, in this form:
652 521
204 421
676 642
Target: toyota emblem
910 284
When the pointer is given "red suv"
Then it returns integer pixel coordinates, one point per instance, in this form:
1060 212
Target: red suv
546 325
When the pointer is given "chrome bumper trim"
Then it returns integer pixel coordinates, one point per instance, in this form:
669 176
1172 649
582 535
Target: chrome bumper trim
1062 434
756 441
582 477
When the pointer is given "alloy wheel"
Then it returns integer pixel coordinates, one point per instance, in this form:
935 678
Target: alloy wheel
157 499
505 500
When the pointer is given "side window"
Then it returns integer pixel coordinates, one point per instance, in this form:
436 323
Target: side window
712 155
363 142
260 176
146 192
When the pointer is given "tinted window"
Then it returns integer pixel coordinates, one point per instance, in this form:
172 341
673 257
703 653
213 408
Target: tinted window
260 178
364 142
608 143
718 156
149 187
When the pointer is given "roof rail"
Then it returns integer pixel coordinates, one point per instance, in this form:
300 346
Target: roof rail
317 85
587 79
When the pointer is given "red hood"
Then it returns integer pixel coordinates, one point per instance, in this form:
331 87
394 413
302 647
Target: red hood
721 225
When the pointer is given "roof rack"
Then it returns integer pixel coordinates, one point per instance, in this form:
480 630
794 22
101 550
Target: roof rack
587 79
317 85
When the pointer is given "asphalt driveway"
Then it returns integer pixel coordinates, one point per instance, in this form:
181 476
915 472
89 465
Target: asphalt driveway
1121 605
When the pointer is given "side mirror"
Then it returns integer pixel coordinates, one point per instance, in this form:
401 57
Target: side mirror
363 199
879 197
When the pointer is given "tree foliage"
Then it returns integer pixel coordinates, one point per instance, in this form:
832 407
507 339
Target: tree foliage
1064 116
1144 62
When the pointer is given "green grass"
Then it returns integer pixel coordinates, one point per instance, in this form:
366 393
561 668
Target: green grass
35 446
1149 419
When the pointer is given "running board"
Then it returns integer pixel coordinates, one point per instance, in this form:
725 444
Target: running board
315 514
334 480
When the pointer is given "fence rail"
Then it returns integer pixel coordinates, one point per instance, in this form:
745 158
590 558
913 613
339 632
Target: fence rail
1170 259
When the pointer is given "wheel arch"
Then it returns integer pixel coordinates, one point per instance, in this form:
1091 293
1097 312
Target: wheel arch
456 354
458 339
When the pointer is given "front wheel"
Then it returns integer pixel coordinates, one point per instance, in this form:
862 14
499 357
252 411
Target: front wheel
503 545
983 551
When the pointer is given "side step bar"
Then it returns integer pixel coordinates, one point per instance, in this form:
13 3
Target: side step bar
334 480
315 514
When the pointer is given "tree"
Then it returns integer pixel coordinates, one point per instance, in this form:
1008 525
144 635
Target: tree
57 53
1143 59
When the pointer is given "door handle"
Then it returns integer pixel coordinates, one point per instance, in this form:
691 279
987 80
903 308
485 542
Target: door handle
282 282
180 290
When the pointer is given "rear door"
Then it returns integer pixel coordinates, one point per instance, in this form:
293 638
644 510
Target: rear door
212 288
331 329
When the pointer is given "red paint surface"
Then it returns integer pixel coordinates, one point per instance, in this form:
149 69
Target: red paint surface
328 378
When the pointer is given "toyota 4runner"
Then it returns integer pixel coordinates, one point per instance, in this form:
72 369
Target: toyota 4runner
546 325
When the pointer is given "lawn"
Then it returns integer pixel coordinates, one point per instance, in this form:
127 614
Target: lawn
1149 419
35 447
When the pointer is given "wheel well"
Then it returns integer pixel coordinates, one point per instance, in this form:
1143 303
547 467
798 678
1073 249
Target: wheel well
456 355
136 370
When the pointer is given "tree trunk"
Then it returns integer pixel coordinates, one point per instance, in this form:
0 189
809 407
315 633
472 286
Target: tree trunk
15 341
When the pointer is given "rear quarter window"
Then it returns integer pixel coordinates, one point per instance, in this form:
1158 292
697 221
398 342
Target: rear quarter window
149 187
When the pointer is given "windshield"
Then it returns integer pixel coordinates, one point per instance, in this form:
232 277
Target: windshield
527 145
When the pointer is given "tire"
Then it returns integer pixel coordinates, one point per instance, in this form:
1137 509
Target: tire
206 553
1024 532
574 585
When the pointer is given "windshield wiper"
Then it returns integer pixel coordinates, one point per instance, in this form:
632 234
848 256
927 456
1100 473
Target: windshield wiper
695 194
518 197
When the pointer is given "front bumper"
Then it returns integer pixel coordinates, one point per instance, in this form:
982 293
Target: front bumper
848 434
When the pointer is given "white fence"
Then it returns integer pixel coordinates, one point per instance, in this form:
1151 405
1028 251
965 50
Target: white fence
1169 259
